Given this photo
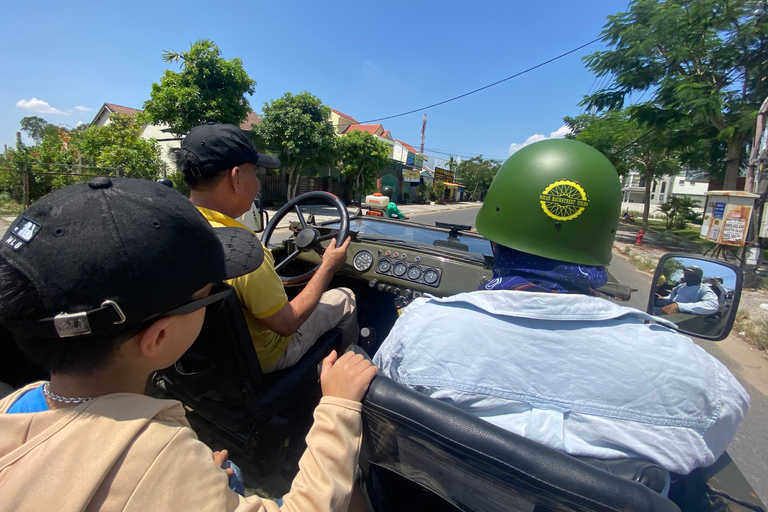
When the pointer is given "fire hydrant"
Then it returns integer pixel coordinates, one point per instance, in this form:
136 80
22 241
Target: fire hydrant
639 237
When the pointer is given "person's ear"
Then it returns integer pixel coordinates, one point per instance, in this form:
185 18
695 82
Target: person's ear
154 338
236 178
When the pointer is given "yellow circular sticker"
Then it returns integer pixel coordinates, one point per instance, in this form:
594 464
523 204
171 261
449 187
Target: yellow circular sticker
564 200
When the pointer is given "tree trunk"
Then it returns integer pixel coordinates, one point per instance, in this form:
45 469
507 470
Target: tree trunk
732 163
647 199
291 187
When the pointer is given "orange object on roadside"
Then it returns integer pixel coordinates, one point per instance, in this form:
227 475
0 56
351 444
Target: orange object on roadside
639 237
374 213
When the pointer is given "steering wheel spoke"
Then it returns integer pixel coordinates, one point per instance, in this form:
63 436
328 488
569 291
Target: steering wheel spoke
301 217
328 236
287 260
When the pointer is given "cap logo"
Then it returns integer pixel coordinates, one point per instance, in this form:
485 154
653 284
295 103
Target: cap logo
22 233
564 200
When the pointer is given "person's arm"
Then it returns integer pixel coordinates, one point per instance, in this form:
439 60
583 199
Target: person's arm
293 315
706 304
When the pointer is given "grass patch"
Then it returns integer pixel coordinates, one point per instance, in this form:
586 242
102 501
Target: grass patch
9 207
754 329
639 261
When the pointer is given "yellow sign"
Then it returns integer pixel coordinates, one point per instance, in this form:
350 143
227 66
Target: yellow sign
564 200
411 174
444 175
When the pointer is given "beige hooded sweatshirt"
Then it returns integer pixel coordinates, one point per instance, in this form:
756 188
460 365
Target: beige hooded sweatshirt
130 452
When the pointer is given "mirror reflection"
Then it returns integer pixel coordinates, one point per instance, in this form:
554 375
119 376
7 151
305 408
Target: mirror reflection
696 294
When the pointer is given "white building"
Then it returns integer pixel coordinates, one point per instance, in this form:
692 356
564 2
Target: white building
662 189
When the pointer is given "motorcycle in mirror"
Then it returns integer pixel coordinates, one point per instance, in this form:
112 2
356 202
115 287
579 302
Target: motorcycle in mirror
255 218
699 295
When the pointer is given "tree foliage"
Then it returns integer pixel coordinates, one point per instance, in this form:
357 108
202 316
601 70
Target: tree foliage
119 145
33 126
476 174
679 210
299 128
208 88
362 156
705 59
630 147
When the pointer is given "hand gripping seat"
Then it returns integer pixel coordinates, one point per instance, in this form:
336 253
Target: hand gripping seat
220 377
422 454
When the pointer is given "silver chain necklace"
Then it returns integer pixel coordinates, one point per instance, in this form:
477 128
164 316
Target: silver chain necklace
63 399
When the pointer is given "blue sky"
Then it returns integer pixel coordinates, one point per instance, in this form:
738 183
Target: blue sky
63 60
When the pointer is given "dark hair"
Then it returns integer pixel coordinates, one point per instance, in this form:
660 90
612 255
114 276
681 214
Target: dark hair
20 300
186 161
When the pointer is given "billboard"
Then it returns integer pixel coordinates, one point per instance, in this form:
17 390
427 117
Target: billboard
444 175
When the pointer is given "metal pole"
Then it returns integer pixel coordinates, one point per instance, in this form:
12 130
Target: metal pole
27 201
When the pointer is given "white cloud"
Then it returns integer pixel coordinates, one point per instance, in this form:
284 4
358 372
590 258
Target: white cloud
80 123
82 109
557 134
39 106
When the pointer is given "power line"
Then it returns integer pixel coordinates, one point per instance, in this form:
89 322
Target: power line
486 86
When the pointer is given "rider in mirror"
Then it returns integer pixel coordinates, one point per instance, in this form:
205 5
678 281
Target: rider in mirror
219 162
536 351
691 296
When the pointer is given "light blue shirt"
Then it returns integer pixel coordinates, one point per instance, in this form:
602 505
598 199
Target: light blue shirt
576 373
699 299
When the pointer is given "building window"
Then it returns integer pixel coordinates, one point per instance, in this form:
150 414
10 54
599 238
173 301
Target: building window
663 186
652 195
654 187
642 182
681 182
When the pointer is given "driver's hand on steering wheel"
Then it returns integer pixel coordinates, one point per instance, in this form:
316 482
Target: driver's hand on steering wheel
334 257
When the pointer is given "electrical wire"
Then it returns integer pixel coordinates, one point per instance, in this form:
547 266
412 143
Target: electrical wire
485 86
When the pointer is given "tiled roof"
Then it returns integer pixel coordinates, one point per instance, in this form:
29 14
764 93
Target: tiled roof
253 118
344 115
370 128
119 109
407 146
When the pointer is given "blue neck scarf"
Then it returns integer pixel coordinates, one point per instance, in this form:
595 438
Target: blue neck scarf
515 270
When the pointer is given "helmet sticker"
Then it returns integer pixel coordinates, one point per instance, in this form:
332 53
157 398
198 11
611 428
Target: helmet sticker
564 200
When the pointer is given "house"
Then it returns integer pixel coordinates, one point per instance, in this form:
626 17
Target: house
662 189
166 140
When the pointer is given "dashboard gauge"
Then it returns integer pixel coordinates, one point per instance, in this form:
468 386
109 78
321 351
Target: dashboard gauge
363 261
400 269
384 265
430 276
414 273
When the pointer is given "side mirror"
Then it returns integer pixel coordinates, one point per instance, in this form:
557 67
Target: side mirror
254 219
699 295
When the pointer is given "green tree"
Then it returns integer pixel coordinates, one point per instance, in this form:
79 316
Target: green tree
362 156
208 88
679 210
629 146
299 128
476 174
438 190
33 126
119 145
703 58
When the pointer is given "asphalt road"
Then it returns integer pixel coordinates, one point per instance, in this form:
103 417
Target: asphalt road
749 449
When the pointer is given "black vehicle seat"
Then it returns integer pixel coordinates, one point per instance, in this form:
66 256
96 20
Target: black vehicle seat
416 448
220 378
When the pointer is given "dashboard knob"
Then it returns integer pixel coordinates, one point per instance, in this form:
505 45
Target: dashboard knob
372 283
396 291
389 288
380 287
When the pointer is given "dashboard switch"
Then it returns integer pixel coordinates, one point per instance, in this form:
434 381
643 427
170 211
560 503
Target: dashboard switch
372 283
380 287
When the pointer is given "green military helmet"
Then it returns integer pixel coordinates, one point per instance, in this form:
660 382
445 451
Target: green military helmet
557 198
696 270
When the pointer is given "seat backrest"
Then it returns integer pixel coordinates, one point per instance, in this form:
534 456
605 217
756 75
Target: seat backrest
220 376
474 465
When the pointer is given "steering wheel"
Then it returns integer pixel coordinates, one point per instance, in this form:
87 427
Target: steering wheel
309 238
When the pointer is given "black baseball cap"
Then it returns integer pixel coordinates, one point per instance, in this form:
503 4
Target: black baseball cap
222 146
108 255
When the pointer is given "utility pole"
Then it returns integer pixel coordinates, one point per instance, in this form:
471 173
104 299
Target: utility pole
749 184
423 129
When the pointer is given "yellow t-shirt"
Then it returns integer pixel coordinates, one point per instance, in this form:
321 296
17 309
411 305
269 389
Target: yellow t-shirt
261 294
